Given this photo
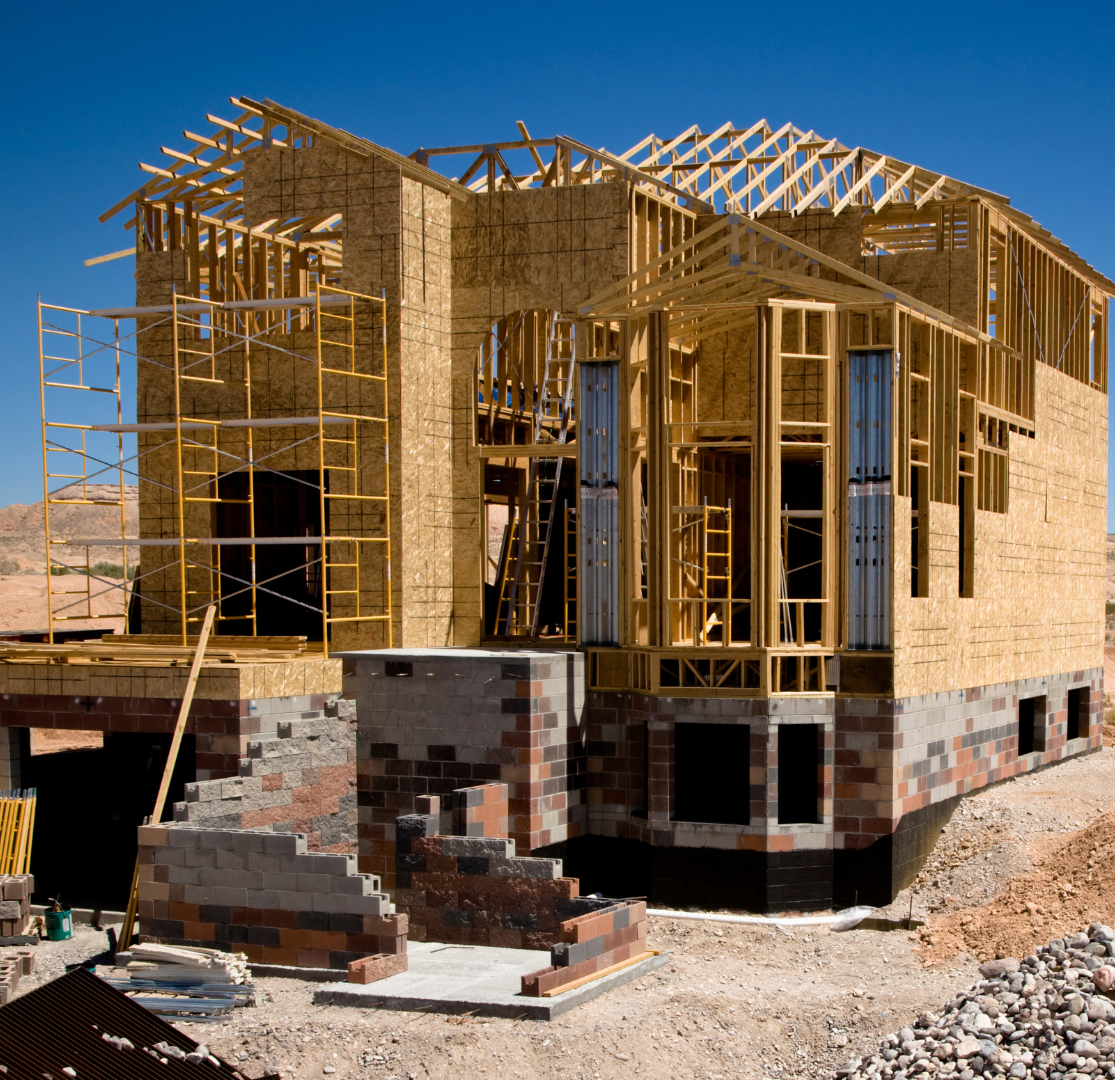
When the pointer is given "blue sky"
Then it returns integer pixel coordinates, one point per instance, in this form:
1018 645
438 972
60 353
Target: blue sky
1014 98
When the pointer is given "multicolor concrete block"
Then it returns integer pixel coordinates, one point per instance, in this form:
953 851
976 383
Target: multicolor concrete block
263 894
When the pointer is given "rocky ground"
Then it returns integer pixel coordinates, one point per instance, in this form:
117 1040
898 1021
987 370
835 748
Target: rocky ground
740 1001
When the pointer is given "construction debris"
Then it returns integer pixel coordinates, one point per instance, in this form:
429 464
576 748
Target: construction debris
14 963
1046 1017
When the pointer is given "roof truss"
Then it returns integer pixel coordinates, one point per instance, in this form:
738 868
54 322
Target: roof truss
732 263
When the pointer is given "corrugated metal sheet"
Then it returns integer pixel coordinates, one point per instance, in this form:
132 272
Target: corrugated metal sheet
598 435
61 1025
869 495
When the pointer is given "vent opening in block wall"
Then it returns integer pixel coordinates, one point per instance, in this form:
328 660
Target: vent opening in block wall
711 773
398 669
797 774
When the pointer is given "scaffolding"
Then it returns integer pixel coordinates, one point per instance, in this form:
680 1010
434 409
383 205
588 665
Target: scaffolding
212 433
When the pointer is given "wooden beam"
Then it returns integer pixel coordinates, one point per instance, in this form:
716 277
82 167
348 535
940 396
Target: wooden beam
895 188
171 760
860 184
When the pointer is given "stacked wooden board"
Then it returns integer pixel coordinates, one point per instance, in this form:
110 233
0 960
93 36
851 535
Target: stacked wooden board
157 649
188 982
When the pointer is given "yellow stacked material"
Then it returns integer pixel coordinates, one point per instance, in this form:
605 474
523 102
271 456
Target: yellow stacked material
17 824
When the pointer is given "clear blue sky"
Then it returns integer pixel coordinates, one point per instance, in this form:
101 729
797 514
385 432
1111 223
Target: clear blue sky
1016 98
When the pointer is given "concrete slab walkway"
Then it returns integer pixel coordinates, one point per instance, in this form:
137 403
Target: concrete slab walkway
473 979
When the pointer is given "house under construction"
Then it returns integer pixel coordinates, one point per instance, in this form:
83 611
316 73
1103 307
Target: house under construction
737 499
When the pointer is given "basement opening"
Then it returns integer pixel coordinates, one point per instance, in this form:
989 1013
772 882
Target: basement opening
709 760
89 805
798 757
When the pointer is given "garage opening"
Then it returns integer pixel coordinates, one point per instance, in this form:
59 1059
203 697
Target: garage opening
712 773
798 787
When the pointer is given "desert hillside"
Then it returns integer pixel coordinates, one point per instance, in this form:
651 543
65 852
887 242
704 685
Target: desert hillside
23 560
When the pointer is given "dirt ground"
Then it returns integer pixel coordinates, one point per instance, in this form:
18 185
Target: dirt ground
23 560
736 1001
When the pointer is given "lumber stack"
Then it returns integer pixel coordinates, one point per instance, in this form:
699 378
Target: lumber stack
156 649
17 826
184 981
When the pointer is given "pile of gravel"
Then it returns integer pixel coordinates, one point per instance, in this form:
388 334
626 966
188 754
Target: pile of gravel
1047 1017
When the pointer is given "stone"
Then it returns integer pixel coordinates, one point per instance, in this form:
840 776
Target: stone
1045 1022
1103 978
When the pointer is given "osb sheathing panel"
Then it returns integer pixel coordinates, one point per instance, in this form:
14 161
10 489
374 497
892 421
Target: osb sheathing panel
725 386
838 237
224 682
949 280
542 249
425 447
1039 569
292 183
283 369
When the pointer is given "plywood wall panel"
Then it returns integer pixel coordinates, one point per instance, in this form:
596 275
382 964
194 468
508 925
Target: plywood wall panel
1038 606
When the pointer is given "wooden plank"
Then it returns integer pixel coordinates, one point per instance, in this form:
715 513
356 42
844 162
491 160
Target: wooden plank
171 762
600 974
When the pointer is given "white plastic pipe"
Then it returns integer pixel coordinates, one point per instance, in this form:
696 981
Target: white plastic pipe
842 920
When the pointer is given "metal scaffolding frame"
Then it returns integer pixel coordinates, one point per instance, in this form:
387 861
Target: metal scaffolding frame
350 353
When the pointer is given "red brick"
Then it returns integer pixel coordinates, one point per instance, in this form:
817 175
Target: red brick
373 968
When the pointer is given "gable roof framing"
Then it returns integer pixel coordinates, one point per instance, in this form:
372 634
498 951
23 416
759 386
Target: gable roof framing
746 171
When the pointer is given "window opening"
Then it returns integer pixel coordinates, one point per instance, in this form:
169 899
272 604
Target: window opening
709 760
1027 714
1076 722
798 760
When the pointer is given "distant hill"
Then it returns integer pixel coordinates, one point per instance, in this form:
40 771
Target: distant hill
23 578
22 532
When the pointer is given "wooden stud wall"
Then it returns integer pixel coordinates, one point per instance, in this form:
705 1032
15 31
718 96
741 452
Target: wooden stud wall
761 389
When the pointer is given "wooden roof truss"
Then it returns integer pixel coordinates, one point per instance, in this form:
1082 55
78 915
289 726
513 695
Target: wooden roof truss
749 171
743 170
709 282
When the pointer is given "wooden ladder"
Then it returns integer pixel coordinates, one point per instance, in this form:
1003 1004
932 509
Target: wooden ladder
542 490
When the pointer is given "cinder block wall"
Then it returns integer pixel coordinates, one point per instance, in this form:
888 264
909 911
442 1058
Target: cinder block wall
301 780
223 726
631 769
473 889
896 758
263 894
430 721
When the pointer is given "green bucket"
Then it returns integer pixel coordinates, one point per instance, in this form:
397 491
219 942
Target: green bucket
59 925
